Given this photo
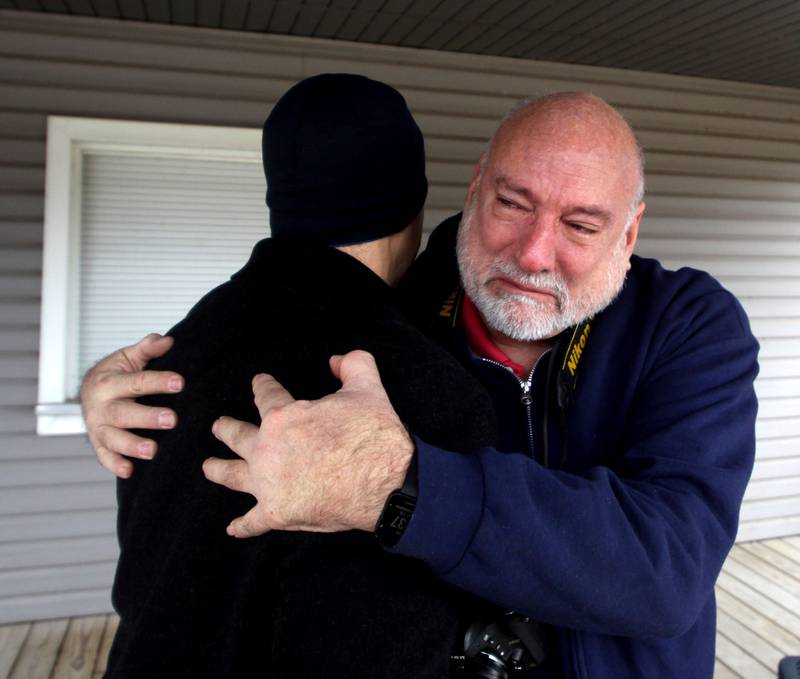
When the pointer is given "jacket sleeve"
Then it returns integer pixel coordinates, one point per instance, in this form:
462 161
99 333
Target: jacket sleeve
629 548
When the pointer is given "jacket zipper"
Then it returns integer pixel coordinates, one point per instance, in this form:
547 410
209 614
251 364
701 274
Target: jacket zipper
526 398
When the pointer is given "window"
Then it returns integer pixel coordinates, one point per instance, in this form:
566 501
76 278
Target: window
141 219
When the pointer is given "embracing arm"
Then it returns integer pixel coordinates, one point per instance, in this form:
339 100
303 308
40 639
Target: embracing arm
630 547
109 409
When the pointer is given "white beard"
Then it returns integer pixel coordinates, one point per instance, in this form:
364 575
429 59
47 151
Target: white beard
520 317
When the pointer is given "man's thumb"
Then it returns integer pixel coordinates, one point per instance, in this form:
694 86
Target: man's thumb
356 370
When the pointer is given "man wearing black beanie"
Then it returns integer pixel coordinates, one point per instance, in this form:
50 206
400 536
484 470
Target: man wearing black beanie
344 162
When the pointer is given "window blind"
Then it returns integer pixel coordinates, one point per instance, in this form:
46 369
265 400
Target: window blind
158 232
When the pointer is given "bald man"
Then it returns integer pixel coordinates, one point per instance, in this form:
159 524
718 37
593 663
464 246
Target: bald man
624 397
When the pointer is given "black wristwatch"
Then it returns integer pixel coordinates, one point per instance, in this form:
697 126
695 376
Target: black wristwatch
398 508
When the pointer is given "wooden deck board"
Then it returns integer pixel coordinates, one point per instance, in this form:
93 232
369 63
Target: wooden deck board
12 638
79 651
109 630
750 596
38 654
758 597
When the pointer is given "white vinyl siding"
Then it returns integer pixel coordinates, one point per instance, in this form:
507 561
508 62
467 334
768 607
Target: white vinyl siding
723 177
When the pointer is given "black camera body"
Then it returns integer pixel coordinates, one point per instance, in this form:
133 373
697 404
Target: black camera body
501 649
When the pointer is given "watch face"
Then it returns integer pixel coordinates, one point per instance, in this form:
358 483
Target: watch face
395 518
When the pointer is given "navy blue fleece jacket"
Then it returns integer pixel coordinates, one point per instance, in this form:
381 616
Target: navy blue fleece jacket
617 541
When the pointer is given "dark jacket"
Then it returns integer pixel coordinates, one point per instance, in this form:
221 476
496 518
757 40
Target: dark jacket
194 602
615 529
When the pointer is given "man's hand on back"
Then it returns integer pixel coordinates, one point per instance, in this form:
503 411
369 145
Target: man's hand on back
325 465
109 410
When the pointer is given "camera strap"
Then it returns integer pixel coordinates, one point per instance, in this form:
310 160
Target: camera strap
571 362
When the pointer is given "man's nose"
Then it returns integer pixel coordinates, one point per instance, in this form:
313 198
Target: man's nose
537 246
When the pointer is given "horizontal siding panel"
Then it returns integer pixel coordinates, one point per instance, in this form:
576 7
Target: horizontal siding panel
21 260
20 286
776 327
671 248
190 56
779 407
693 207
720 145
22 125
16 418
671 162
721 267
60 579
31 472
30 446
18 365
770 509
42 526
682 226
438 125
733 126
135 106
776 387
767 528
779 347
463 152
21 178
75 550
760 286
27 151
759 307
27 206
21 232
772 488
80 75
779 367
778 428
18 392
779 448
778 469
49 498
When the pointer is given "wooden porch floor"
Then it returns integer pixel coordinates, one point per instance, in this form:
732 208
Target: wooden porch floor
758 595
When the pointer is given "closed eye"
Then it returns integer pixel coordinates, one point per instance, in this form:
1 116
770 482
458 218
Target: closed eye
507 202
581 228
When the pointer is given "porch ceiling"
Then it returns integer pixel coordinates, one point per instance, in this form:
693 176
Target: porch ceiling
755 41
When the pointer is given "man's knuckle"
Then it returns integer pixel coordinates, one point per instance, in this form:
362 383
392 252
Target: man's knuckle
138 383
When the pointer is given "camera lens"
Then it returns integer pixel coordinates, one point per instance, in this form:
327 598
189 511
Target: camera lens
488 666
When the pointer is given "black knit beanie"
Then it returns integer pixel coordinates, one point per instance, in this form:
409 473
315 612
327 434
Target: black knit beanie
344 161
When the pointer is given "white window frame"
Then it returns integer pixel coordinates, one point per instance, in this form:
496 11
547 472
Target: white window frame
68 139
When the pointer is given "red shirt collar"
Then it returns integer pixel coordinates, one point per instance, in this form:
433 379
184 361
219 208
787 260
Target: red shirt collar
481 342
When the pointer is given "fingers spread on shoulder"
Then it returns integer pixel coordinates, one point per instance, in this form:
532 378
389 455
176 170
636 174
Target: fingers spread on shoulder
356 370
250 525
127 414
114 385
146 349
232 474
113 462
240 437
123 442
269 393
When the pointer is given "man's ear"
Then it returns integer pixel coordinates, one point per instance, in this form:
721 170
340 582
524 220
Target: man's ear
473 185
633 232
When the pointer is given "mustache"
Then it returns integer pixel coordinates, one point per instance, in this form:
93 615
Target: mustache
546 280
